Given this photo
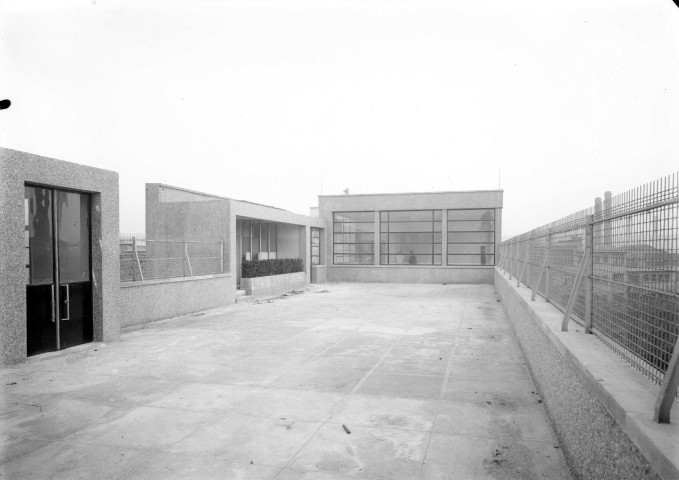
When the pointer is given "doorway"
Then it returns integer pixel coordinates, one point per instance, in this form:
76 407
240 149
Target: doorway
58 269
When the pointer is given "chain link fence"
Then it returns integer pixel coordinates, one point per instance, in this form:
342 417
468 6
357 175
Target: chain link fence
142 259
613 269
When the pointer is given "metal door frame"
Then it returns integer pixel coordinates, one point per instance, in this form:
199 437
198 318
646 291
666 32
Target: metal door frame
56 297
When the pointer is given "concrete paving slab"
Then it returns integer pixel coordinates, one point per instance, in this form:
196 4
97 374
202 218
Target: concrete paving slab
483 458
413 371
335 380
294 474
471 389
263 441
290 404
202 397
478 368
181 467
374 411
55 418
73 461
498 420
395 385
144 427
12 447
366 452
414 366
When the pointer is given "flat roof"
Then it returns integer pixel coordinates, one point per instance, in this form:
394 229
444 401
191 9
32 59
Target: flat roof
411 193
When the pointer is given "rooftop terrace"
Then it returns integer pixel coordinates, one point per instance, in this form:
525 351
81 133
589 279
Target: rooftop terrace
343 381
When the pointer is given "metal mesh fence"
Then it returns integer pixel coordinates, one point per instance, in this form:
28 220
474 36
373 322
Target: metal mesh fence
633 273
142 259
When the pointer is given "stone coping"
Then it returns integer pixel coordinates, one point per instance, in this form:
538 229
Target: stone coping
626 394
158 281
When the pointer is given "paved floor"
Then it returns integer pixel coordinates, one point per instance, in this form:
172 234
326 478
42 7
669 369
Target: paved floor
426 378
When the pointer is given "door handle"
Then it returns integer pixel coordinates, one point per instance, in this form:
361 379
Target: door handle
67 302
52 296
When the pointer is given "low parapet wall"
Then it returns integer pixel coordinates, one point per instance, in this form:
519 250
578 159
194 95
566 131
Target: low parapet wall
600 408
274 284
149 301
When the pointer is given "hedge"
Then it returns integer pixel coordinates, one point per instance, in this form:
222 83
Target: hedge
277 266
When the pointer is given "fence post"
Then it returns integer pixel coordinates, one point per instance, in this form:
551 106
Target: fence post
589 274
525 261
668 389
186 255
544 268
510 260
584 266
136 257
221 256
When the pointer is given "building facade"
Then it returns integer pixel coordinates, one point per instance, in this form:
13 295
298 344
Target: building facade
437 237
59 267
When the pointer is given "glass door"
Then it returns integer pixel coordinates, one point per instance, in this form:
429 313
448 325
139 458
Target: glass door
58 284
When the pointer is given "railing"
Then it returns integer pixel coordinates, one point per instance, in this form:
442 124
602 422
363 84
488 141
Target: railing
142 259
614 269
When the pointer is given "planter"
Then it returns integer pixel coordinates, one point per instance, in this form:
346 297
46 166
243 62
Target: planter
274 284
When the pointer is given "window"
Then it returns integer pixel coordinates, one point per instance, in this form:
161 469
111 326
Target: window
353 238
315 246
410 237
471 237
257 239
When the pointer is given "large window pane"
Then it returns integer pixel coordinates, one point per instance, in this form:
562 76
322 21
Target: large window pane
468 248
471 260
475 214
74 237
434 237
354 227
411 226
353 238
471 226
265 236
471 237
315 246
410 237
353 217
410 216
38 235
255 239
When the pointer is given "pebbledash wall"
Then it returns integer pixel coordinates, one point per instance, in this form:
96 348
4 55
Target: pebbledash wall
18 169
601 410
385 237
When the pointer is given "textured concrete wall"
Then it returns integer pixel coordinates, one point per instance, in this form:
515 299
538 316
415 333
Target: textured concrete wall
289 238
176 214
274 284
17 169
594 445
144 302
408 201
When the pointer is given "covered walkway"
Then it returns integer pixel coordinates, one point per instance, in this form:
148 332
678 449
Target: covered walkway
342 381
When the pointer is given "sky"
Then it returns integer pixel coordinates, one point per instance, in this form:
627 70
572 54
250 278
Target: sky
277 102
